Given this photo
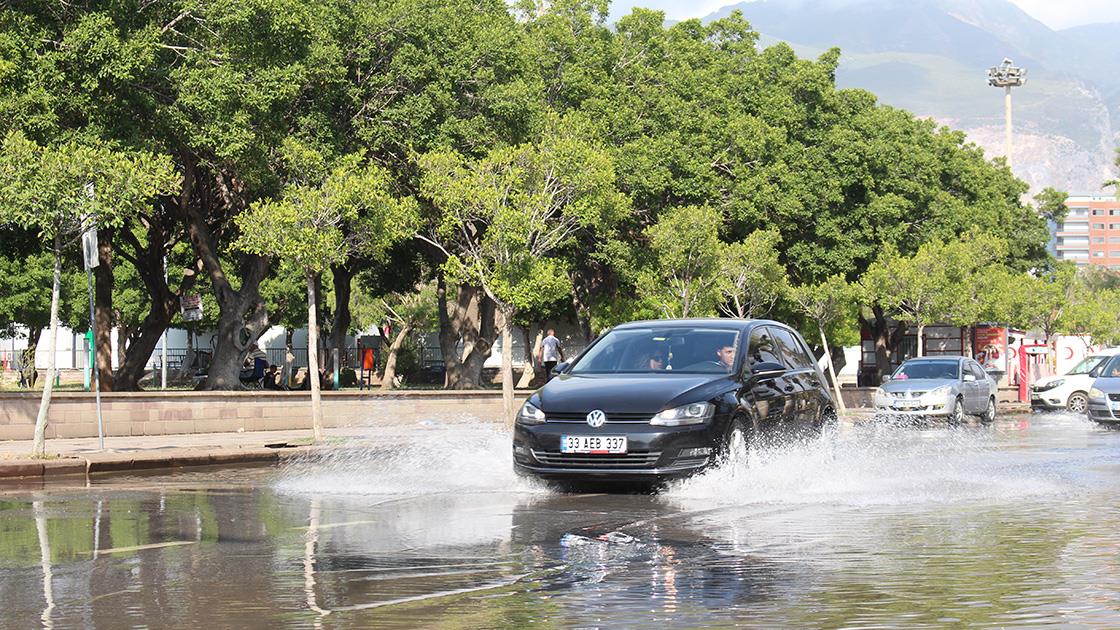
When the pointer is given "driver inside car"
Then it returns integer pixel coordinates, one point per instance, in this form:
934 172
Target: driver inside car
725 356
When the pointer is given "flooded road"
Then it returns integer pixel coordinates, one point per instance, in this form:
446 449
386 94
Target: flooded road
1013 524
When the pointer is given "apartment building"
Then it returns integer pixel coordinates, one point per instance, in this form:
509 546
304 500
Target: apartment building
1090 235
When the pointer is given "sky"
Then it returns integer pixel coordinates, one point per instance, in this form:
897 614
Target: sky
1056 14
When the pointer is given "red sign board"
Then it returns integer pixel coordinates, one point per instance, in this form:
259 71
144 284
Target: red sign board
990 348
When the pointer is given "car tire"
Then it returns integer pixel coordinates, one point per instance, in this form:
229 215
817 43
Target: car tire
956 414
1078 403
737 441
990 412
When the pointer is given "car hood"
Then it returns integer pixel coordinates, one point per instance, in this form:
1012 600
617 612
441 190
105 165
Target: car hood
1047 380
643 393
1108 385
916 384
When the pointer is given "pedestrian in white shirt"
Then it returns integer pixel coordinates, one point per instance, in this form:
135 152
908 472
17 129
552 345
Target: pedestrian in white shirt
550 353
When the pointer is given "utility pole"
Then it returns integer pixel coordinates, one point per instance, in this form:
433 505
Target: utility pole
90 258
1007 76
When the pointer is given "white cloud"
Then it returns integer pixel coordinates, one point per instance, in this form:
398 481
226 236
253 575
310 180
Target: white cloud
1061 14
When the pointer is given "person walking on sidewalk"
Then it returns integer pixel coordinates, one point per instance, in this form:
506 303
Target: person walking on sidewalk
550 353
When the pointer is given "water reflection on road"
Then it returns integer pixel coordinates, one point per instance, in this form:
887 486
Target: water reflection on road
1017 524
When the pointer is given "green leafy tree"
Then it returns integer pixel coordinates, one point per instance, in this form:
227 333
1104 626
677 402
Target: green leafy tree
754 278
63 190
828 305
312 227
504 217
683 279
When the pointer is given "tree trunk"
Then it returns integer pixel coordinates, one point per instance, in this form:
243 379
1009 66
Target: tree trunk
39 446
319 338
242 313
506 317
312 358
135 362
343 277
148 258
536 334
886 341
921 339
391 357
580 304
832 370
103 310
469 319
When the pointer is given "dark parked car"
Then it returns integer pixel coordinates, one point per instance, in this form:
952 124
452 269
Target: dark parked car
660 399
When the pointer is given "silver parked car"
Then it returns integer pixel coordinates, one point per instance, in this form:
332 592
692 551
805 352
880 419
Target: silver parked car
938 386
1104 395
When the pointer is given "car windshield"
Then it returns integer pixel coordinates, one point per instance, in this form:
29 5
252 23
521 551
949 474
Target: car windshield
650 350
1112 370
1087 364
927 369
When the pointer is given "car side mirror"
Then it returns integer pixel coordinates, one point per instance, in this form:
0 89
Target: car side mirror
969 378
886 379
560 367
767 370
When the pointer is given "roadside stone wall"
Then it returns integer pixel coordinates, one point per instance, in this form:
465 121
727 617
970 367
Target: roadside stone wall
74 414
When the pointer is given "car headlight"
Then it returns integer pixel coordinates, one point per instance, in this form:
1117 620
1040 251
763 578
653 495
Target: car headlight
1051 385
529 414
881 396
1095 393
939 392
694 413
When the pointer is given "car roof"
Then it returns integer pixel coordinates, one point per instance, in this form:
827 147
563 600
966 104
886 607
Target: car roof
1107 352
940 358
723 322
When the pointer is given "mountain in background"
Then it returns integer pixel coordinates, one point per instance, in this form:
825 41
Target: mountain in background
931 57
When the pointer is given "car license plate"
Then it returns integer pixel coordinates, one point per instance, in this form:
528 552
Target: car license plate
1115 405
905 404
594 444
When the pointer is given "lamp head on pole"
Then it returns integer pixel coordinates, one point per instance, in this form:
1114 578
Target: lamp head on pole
1006 75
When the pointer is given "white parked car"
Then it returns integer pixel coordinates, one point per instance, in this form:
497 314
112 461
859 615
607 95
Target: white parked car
1069 391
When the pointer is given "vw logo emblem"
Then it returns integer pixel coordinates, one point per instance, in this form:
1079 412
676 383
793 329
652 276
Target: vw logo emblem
596 418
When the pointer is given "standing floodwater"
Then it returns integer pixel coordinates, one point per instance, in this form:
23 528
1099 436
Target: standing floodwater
1016 524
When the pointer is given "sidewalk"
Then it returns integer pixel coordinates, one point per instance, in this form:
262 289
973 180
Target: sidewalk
81 456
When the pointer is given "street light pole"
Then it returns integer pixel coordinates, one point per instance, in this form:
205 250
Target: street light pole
1007 76
90 258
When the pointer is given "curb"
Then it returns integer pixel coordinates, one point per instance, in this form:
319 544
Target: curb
125 462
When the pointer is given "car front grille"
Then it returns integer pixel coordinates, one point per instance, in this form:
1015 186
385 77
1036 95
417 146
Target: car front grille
1114 397
606 462
580 417
908 395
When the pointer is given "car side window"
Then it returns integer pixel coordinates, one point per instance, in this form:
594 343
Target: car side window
795 355
977 371
763 348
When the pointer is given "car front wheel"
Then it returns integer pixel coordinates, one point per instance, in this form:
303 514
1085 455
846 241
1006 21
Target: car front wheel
1078 403
956 414
736 443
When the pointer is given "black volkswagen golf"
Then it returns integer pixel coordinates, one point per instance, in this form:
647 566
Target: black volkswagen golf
660 399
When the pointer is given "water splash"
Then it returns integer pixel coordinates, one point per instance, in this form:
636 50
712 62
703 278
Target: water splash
434 457
877 464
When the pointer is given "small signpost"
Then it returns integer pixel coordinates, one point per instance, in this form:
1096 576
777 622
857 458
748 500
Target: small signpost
190 306
90 258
